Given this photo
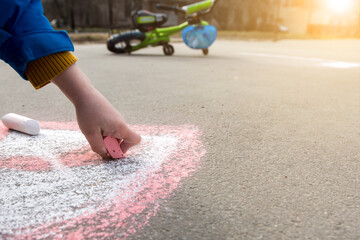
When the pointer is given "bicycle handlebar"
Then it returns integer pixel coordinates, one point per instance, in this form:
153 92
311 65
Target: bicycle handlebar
169 7
177 9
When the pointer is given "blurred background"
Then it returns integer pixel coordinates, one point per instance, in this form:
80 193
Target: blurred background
318 18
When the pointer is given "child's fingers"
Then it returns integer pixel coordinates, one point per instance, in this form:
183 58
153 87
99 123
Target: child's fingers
97 144
130 140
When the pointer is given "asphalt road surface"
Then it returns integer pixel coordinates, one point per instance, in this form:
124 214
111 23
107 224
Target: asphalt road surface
280 124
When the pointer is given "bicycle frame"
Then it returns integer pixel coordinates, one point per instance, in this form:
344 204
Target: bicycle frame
148 30
161 35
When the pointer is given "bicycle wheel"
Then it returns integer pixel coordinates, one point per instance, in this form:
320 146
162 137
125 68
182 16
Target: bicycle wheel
168 50
205 51
123 42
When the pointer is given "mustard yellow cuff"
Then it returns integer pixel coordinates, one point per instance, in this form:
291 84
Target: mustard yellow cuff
41 71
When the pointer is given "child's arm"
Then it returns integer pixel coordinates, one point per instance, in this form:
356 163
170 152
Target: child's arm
95 115
29 44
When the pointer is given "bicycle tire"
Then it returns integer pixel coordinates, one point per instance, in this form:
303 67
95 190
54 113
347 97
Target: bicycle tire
120 43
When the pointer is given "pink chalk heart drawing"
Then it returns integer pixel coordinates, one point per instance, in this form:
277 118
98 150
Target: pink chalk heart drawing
53 186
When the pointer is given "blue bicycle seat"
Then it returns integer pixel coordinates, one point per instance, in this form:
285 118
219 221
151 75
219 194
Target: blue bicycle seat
199 37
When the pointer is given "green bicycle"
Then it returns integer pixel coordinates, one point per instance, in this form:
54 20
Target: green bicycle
197 34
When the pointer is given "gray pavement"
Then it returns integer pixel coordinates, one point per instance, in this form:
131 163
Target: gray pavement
280 123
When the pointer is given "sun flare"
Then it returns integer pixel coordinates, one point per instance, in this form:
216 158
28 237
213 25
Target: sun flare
339 6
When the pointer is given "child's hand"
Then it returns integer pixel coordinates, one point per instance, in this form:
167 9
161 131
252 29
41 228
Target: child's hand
96 117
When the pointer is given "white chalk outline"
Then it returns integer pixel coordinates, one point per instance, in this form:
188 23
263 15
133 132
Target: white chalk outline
323 62
30 198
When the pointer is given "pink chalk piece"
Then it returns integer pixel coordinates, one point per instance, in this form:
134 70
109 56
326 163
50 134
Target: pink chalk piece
112 145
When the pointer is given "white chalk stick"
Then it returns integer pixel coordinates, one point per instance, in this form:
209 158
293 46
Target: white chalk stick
21 123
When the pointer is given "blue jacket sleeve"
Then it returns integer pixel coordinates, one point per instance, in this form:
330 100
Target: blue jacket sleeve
26 35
